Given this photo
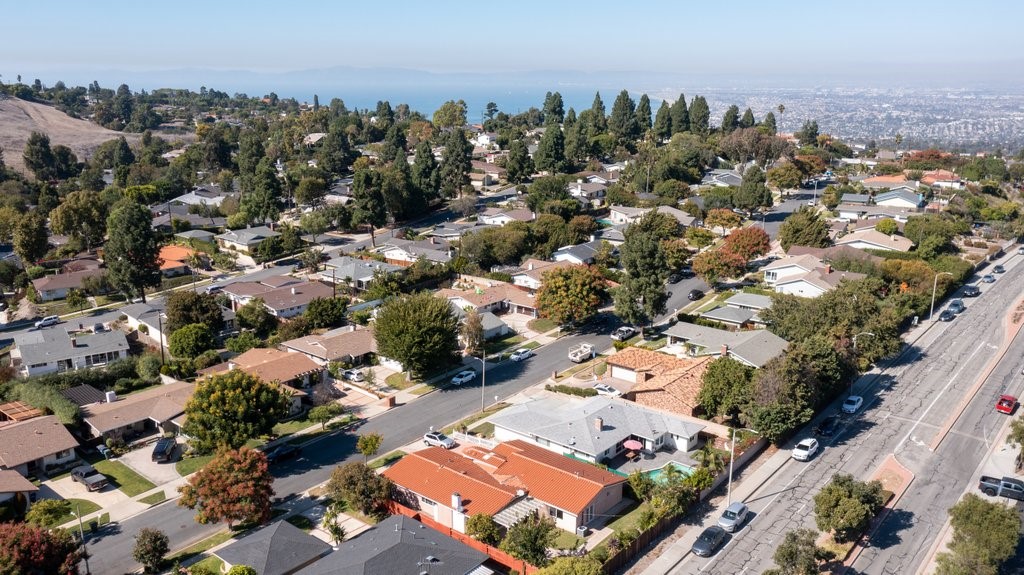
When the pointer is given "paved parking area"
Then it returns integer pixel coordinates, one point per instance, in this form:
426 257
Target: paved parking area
68 488
141 461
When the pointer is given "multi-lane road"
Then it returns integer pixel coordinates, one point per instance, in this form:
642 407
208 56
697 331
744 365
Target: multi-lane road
908 406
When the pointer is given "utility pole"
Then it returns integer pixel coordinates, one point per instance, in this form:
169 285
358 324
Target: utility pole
81 535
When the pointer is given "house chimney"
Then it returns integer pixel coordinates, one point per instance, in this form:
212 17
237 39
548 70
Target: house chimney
725 349
74 341
433 240
598 424
231 365
828 269
529 267
293 291
457 502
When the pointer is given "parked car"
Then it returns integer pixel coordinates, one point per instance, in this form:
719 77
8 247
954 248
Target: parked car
956 306
464 377
580 353
828 426
708 541
48 321
605 389
694 295
947 315
438 439
988 278
521 354
282 452
852 404
674 278
352 375
999 269
971 291
1006 487
1006 404
214 289
733 516
163 451
806 449
88 476
623 333
1020 251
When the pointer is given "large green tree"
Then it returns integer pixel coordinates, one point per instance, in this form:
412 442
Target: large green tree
419 331
231 408
985 535
663 122
529 539
641 296
38 156
700 116
235 486
571 295
425 174
189 341
132 252
725 387
753 193
731 119
804 227
622 124
254 316
554 109
368 203
550 154
361 487
151 547
845 506
798 554
680 115
748 243
643 114
83 216
30 238
456 162
715 265
186 306
518 164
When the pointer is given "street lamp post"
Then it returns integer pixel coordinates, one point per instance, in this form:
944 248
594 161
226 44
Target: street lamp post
732 458
81 538
483 378
935 285
160 327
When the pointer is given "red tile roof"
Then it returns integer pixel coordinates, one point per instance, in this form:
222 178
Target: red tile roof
436 473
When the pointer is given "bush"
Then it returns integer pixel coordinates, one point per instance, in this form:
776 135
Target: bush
48 399
206 359
570 390
148 367
127 385
620 345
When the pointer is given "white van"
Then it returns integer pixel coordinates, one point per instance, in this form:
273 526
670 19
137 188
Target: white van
48 321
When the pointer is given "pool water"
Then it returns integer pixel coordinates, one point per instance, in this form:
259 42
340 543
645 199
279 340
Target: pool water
656 474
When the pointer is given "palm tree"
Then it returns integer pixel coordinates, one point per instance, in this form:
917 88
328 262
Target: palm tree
710 459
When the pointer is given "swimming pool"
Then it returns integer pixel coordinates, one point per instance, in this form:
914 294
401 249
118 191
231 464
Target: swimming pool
656 474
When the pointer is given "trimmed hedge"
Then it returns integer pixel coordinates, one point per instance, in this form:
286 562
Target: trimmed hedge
570 390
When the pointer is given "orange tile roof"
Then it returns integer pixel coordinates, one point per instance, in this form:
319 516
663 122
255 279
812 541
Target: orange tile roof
436 473
272 365
675 390
639 359
894 179
174 256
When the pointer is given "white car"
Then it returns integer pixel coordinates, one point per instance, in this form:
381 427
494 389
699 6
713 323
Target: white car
605 389
806 449
852 404
463 377
521 354
438 439
352 375
623 333
48 321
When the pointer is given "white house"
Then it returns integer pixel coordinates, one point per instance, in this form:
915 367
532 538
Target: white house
500 217
904 197
805 276
532 275
870 238
55 349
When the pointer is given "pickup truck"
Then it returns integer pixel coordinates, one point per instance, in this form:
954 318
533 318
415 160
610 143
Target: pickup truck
1007 487
580 353
88 476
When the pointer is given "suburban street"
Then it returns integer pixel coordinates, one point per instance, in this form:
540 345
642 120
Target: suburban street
906 407
111 550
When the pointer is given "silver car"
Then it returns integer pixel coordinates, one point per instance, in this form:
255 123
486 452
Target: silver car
438 439
734 516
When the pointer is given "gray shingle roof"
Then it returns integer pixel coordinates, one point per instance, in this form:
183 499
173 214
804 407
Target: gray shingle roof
750 300
398 546
754 347
729 315
248 236
54 343
573 424
357 269
277 549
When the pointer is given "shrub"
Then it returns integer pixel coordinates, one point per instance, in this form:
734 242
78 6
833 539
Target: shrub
570 390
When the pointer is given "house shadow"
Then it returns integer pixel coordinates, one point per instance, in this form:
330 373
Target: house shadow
102 532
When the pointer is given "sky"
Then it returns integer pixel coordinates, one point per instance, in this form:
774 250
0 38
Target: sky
660 36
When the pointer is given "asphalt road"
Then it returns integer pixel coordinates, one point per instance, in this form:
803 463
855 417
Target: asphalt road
905 407
111 549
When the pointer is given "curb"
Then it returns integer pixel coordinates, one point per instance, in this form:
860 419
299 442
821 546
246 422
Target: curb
859 546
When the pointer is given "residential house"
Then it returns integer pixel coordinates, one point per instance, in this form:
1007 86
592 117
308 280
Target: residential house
158 409
722 178
660 380
486 295
283 296
606 177
901 198
148 318
399 545
245 240
589 193
55 349
277 549
870 238
166 214
615 235
292 371
856 199
15 492
310 140
805 276
486 139
627 215
349 344
36 446
732 317
752 301
57 286
594 429
507 481
942 179
579 254
532 275
194 236
500 217
355 272
481 180
872 212
496 171
753 347
174 260
407 252
832 253
209 195
449 231
491 325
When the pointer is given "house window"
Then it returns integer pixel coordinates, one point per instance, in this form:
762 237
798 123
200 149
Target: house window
426 501
64 365
555 512
35 365
63 454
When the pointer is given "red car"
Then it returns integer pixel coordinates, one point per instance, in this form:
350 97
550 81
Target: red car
1006 404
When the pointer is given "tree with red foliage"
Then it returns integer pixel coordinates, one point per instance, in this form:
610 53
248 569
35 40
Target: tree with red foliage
235 486
714 265
26 548
748 242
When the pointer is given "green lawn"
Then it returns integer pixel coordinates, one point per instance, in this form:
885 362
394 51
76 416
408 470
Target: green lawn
566 540
202 546
213 563
541 325
102 300
292 426
398 381
422 390
496 345
189 465
628 519
301 521
128 481
485 429
153 499
78 505
55 308
387 459
654 344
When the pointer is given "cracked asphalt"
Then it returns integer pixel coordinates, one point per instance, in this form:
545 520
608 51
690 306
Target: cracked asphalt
906 406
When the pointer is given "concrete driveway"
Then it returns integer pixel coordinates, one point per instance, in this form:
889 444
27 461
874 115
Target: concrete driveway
68 488
141 461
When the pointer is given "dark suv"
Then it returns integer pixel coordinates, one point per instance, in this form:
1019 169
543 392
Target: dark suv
163 451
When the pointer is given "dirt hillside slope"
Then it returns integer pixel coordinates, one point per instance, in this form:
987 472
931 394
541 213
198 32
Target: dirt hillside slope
18 119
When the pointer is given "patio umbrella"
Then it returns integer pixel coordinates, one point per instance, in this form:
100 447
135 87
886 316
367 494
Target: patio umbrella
633 444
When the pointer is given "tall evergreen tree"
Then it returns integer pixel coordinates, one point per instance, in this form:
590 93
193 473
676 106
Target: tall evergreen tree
731 119
369 207
747 121
132 251
425 175
335 153
38 156
643 114
519 165
769 123
259 202
598 119
30 237
663 122
550 154
700 116
455 163
680 115
250 152
622 122
554 109
402 198
576 147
